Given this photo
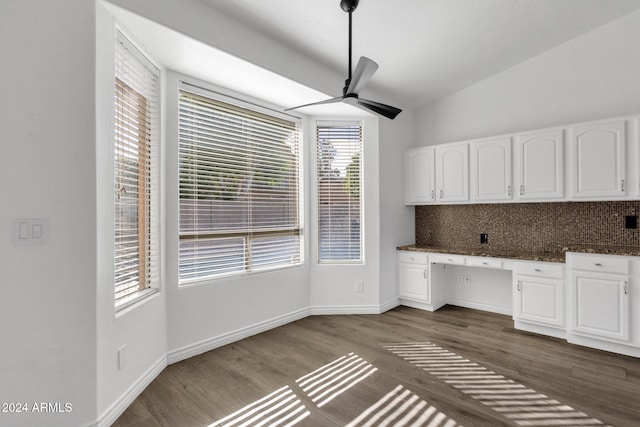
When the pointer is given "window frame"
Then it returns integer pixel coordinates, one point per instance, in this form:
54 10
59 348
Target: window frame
147 150
317 161
243 102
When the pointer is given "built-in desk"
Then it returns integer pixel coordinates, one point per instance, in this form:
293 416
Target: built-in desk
588 301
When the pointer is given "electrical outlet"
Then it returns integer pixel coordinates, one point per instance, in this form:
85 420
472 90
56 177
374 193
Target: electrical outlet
359 285
484 238
467 281
631 221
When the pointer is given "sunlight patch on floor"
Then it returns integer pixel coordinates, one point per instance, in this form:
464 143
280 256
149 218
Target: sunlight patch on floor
401 407
522 405
331 380
280 408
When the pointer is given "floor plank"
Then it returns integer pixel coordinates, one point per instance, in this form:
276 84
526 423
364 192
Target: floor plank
446 381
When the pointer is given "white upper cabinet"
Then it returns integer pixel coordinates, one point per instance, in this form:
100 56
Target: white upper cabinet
452 173
491 169
420 176
599 160
540 167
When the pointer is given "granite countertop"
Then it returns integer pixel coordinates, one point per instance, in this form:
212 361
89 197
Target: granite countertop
545 256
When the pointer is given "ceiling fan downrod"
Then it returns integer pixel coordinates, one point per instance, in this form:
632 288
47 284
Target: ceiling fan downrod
349 6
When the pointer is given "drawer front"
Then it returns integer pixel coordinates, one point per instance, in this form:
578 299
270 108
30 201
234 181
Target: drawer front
540 269
484 262
616 265
448 259
413 257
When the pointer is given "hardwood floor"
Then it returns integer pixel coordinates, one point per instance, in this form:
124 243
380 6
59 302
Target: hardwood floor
462 366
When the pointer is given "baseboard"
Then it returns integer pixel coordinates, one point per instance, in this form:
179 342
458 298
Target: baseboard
229 337
116 409
323 310
480 306
389 305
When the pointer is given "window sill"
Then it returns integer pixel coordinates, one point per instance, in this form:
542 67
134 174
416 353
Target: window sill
135 299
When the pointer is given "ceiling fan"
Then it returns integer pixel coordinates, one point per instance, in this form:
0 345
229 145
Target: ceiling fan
354 83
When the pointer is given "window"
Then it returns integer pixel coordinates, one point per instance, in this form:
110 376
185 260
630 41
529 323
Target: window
339 190
136 174
239 189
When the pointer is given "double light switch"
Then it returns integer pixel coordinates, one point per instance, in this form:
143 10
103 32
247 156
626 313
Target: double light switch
30 231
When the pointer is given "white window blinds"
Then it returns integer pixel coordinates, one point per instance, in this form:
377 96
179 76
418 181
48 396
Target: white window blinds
135 172
239 189
338 185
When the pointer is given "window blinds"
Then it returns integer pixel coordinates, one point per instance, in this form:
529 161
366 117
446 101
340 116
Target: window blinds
239 189
338 184
135 172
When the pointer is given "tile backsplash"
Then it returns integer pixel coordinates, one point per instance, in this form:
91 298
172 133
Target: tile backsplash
528 227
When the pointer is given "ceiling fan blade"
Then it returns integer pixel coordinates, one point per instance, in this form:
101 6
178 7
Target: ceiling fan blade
384 110
362 74
326 101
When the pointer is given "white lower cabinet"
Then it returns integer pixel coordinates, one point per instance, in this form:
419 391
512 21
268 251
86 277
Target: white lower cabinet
539 296
600 300
413 277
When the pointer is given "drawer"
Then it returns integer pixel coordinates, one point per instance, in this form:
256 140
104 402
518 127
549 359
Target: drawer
448 259
484 262
413 257
540 269
600 264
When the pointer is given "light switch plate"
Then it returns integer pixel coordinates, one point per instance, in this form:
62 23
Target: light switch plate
30 231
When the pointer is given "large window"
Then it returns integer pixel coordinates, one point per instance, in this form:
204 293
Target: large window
135 173
339 190
239 189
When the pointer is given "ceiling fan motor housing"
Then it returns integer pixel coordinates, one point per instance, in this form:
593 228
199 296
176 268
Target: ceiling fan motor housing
349 5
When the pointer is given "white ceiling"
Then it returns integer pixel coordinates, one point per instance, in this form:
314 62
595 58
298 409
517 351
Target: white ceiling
426 49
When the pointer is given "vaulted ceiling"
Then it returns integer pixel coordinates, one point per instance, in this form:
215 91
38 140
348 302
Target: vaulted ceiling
426 49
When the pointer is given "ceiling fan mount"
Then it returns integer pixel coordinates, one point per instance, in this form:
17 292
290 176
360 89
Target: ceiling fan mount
358 79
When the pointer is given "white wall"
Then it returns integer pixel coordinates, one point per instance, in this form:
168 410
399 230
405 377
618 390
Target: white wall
47 170
593 76
397 221
141 328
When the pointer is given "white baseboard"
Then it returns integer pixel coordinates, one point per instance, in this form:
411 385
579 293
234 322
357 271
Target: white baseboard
389 305
229 337
480 306
323 310
116 409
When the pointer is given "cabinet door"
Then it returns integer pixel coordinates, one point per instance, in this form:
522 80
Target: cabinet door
452 173
491 169
420 175
540 165
600 306
413 282
540 301
599 160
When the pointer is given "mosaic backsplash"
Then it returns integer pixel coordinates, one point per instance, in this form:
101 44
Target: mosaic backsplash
528 227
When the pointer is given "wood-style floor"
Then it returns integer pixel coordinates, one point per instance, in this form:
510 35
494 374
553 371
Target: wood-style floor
455 366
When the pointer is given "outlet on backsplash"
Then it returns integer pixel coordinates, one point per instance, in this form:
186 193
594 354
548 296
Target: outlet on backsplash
484 238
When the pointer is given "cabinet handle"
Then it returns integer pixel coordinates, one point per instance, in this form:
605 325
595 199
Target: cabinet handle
519 285
521 189
622 185
424 274
485 263
597 264
537 270
626 288
441 194
509 191
433 194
